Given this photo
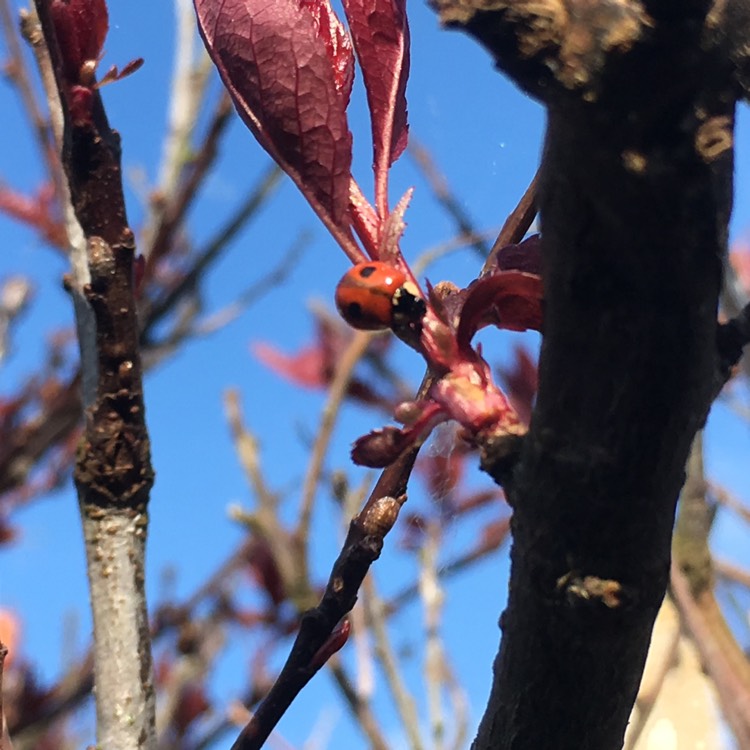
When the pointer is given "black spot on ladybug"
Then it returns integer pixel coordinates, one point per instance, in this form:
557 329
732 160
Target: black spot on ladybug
354 310
367 271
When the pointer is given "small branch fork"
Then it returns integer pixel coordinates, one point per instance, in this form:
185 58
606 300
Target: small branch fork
113 473
317 638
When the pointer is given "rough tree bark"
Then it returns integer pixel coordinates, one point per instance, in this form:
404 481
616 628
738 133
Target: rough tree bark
113 473
635 197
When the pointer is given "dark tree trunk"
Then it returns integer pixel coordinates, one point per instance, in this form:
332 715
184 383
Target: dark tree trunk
634 201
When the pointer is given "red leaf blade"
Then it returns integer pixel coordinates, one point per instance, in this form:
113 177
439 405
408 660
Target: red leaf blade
288 70
381 38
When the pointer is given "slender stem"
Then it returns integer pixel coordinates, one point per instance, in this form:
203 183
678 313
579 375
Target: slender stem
432 602
404 701
360 707
519 220
722 657
166 221
264 187
446 198
336 394
17 72
4 739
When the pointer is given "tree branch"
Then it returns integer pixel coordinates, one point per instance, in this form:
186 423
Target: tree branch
113 474
634 197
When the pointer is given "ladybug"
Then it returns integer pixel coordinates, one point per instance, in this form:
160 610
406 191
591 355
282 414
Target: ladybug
367 293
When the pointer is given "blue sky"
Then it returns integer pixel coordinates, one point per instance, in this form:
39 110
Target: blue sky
486 138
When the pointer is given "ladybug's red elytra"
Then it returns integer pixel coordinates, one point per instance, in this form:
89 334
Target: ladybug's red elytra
365 295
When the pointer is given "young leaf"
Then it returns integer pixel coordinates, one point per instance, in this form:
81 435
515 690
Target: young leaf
511 300
81 27
381 38
288 66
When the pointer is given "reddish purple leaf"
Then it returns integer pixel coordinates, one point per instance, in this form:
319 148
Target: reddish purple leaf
288 66
525 256
306 368
381 38
507 299
337 42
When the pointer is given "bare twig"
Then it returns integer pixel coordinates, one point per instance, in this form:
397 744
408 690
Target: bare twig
172 215
519 220
488 544
661 656
445 197
694 518
432 602
15 292
459 242
4 738
336 393
257 290
17 71
264 519
187 92
731 502
361 548
263 188
360 706
732 572
720 653
403 700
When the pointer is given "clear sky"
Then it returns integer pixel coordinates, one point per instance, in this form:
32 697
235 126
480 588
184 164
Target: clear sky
486 137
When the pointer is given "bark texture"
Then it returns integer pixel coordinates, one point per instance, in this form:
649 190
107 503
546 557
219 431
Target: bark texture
635 196
113 473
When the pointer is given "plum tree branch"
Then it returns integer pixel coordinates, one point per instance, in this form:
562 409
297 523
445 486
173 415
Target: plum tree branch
113 473
634 196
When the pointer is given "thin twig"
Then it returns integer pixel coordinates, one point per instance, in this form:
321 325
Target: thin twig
160 240
4 738
445 197
17 71
519 220
263 189
432 602
359 706
732 572
188 88
460 705
187 92
661 656
336 393
264 519
725 498
722 657
486 546
256 291
403 700
694 520
361 548
459 242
